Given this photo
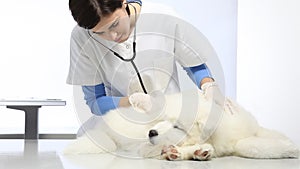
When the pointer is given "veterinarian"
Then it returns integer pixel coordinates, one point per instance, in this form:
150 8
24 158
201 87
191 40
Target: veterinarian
109 60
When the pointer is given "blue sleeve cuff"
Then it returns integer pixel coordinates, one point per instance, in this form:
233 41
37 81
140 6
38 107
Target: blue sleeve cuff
197 73
97 100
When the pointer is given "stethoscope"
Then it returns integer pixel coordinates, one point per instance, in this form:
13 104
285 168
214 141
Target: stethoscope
131 60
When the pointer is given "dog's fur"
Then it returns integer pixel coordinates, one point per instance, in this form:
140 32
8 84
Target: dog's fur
210 131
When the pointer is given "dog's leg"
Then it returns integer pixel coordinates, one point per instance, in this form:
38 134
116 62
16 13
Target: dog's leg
260 147
286 144
194 152
267 133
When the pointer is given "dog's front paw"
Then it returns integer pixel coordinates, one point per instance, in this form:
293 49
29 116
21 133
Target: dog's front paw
171 153
203 152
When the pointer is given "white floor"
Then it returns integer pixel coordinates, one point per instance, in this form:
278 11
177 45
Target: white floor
46 154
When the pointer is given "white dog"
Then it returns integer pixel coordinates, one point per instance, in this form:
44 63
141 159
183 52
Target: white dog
182 130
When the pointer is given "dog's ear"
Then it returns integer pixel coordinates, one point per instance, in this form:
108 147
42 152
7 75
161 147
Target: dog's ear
184 127
185 124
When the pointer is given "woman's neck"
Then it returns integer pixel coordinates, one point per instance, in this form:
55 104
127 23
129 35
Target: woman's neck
135 10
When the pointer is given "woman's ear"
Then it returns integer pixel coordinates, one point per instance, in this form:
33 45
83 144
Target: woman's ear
124 4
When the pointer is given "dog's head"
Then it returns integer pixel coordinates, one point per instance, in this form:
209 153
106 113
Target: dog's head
166 133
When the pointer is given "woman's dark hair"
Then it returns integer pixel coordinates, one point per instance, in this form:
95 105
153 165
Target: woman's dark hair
88 13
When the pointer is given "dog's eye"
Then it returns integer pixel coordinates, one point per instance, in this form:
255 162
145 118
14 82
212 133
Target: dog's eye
175 126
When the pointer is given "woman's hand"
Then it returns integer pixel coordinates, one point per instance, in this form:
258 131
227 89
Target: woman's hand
141 102
212 92
153 103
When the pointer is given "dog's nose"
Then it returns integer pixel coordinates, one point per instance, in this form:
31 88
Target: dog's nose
152 133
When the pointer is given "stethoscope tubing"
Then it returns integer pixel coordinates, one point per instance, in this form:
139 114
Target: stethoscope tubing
131 60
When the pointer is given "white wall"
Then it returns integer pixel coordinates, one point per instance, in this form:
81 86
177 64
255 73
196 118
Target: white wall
34 56
217 20
268 72
34 61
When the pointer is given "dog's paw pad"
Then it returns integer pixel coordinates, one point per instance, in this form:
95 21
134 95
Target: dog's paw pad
201 154
171 153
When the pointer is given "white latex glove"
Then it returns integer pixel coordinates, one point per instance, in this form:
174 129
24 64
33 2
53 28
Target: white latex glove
153 104
213 92
141 102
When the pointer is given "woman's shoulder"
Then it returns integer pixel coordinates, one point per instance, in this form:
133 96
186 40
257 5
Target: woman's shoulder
78 31
79 35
